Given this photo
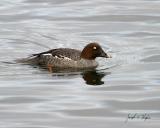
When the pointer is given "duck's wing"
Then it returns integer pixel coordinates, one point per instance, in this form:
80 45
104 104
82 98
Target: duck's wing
62 53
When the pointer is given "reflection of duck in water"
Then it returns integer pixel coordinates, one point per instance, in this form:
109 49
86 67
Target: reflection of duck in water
93 77
66 58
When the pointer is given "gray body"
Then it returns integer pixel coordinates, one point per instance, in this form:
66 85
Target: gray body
61 58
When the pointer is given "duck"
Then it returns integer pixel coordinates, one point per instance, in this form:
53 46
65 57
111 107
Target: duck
68 58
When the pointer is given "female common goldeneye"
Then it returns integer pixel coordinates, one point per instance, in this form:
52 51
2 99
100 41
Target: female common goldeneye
63 58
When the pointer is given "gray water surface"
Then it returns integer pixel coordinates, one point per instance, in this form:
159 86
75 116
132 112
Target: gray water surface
109 97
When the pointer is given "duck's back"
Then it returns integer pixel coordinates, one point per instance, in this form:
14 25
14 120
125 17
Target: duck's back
72 54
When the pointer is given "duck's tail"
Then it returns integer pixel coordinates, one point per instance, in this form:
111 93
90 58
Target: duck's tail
29 60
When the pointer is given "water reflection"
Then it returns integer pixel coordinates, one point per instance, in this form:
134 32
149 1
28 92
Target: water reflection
91 77
94 77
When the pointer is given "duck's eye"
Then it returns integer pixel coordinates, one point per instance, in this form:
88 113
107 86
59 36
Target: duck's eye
94 47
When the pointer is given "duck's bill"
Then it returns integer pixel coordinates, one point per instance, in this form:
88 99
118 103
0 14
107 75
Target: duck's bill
106 55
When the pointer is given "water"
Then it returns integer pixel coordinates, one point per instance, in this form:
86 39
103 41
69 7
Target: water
124 87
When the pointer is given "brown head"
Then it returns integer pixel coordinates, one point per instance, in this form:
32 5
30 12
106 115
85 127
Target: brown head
93 50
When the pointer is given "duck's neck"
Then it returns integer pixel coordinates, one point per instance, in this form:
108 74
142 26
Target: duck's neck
87 54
